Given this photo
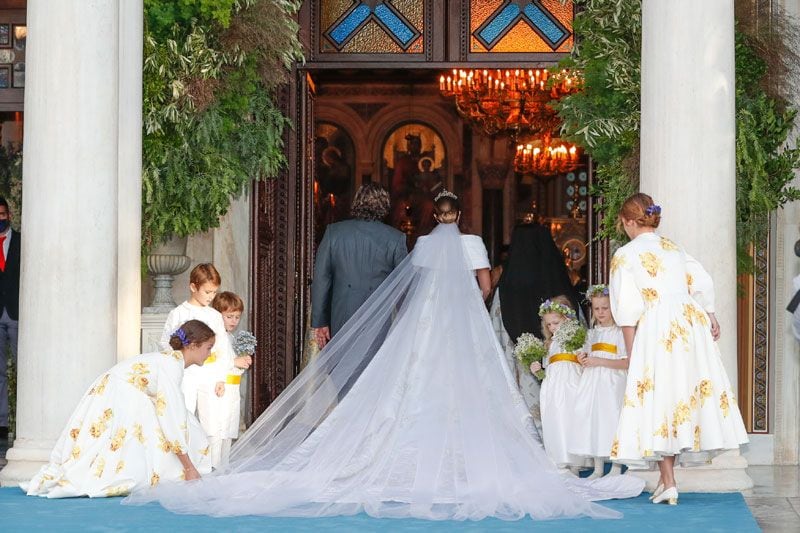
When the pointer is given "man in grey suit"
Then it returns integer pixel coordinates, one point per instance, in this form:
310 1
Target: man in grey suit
353 259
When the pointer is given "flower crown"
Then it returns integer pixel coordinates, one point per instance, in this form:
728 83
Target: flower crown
549 306
652 210
601 289
445 194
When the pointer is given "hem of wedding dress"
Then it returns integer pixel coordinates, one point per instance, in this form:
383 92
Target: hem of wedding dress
684 457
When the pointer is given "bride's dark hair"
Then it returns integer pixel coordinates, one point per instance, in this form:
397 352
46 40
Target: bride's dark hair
447 207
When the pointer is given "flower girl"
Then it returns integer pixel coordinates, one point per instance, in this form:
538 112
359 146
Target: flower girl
599 399
563 335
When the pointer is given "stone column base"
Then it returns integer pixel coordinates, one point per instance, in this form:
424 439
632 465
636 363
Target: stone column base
726 473
24 460
152 329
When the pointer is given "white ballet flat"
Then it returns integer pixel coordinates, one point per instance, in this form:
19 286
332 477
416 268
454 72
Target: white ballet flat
669 496
659 490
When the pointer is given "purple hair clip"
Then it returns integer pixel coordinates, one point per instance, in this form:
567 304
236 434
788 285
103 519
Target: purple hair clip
653 210
182 336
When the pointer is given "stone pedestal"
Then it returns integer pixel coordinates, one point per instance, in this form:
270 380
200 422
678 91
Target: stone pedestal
77 244
688 164
152 329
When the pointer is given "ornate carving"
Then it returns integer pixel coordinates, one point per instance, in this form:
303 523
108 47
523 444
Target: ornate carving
493 175
366 110
761 326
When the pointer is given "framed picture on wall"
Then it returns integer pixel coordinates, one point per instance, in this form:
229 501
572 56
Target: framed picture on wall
5 35
18 80
5 76
20 36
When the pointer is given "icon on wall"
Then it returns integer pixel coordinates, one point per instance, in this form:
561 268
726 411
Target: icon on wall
5 76
5 35
19 75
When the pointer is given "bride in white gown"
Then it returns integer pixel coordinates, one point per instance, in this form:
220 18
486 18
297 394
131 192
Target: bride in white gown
409 411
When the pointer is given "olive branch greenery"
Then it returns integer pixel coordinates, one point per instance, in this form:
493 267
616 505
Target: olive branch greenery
605 116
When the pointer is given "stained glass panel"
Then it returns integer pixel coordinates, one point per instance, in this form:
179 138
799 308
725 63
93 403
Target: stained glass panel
535 26
372 27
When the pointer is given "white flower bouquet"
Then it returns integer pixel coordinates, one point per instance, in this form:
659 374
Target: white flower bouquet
571 335
530 349
244 343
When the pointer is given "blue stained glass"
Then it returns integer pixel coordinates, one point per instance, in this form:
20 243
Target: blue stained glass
399 28
500 23
352 21
539 19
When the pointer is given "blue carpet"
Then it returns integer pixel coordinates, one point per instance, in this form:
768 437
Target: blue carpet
696 513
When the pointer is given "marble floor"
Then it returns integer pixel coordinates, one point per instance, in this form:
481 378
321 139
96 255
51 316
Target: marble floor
775 498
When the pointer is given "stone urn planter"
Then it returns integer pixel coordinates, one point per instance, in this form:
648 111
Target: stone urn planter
164 263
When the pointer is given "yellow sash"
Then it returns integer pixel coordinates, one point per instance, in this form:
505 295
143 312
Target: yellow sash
604 347
211 358
568 357
233 379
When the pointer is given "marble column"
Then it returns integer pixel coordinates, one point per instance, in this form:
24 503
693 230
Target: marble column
129 215
72 255
688 164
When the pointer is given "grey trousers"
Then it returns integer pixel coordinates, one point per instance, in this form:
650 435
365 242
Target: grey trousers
8 344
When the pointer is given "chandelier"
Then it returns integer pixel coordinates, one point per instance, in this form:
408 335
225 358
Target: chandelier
546 157
513 101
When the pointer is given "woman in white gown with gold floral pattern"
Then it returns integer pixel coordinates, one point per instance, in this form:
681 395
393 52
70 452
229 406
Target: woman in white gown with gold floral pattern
131 429
409 411
678 400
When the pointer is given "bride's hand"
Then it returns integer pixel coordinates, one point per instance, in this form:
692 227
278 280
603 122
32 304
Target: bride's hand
535 367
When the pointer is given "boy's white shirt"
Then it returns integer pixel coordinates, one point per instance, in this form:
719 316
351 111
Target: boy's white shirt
211 372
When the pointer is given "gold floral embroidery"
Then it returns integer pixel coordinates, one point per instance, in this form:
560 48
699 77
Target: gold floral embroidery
680 416
723 403
76 452
154 479
705 389
668 245
120 467
644 386
693 399
98 389
627 402
101 465
692 314
137 432
650 296
74 432
614 448
204 451
675 331
647 453
120 490
98 427
689 281
697 438
138 376
651 263
175 355
167 446
161 403
118 439
616 262
663 430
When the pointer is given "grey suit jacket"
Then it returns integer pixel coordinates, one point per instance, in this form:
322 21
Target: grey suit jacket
354 257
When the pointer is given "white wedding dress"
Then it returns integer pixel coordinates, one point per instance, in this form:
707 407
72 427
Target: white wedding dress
410 411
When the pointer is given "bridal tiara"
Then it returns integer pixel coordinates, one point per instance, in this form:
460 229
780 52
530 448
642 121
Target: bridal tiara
445 194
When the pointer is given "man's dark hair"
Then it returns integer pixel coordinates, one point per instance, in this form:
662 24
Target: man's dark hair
3 203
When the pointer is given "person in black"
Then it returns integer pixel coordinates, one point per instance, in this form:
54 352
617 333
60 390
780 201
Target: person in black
535 271
9 305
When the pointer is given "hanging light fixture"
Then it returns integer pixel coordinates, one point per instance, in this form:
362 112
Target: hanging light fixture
546 157
514 101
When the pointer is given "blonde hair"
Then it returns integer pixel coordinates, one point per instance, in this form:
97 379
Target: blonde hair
560 299
592 320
